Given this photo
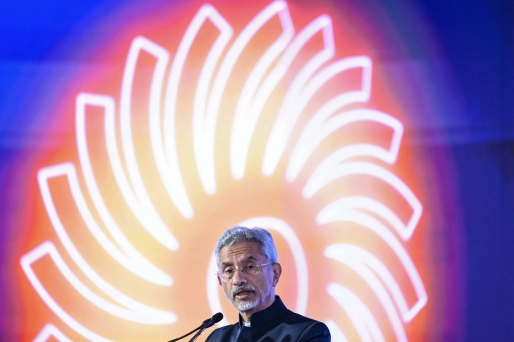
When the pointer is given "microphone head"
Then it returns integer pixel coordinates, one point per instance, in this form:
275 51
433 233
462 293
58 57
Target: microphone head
214 319
217 317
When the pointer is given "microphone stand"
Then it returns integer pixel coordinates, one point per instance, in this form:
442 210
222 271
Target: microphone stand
209 322
199 332
203 326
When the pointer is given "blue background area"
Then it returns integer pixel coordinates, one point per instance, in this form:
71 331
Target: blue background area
470 114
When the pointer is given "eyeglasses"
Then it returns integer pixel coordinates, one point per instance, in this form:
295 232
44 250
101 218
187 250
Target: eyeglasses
249 269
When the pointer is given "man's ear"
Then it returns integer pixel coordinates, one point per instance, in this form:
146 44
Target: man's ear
277 271
219 280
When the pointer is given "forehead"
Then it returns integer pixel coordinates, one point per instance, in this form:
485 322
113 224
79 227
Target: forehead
241 251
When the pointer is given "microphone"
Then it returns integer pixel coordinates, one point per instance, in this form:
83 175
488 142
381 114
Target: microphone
209 322
214 319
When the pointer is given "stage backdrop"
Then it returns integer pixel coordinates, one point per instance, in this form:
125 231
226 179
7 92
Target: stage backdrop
134 133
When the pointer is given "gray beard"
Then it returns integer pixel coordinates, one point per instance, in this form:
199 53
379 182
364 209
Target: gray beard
245 305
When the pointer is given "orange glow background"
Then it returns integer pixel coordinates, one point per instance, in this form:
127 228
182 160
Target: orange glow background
235 200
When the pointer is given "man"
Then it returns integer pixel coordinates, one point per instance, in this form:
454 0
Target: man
248 271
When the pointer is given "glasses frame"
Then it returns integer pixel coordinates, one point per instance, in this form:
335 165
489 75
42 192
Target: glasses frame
241 270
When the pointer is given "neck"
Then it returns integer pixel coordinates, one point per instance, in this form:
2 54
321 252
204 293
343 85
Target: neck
246 315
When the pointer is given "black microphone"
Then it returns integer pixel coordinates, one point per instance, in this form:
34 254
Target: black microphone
214 319
209 322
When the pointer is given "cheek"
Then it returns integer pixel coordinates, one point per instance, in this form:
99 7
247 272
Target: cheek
262 286
226 288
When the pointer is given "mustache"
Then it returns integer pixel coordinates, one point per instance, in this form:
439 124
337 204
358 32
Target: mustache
246 287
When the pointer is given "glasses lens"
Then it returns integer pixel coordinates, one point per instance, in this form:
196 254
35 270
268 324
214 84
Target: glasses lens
252 269
228 273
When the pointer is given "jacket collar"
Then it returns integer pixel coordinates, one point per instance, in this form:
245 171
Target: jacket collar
268 315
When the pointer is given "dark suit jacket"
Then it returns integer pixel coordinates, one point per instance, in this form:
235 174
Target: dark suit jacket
274 324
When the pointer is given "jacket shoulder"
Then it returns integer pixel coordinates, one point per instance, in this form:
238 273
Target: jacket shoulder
311 330
222 334
295 318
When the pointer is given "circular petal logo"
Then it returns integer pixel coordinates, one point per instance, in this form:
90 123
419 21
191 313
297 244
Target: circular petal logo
256 120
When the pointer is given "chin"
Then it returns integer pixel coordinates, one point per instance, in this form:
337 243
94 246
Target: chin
246 306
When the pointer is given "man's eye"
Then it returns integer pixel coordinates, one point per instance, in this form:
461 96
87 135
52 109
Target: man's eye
251 267
229 271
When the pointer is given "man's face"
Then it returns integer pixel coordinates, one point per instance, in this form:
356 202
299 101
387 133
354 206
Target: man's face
248 293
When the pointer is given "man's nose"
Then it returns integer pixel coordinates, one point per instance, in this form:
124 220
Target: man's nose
239 277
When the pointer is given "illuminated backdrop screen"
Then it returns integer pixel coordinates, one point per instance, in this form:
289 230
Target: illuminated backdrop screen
373 140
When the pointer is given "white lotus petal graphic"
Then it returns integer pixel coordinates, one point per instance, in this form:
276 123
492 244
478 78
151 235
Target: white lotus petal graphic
248 109
146 269
284 69
203 123
360 315
289 111
150 218
50 330
307 143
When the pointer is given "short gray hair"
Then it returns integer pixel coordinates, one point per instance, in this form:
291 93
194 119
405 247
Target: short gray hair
239 234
